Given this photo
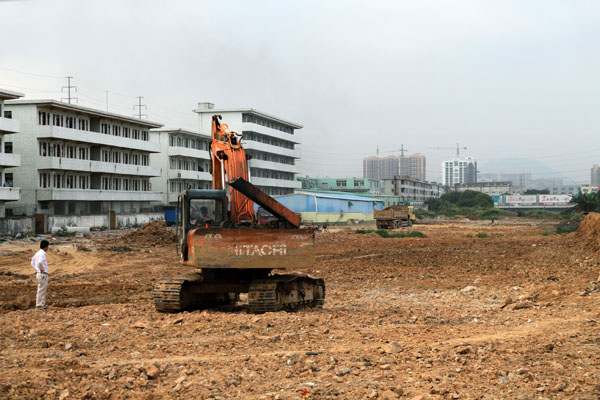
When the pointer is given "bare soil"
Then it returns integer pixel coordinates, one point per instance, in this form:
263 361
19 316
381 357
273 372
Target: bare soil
514 315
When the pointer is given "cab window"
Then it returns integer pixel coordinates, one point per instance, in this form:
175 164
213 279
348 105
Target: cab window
203 211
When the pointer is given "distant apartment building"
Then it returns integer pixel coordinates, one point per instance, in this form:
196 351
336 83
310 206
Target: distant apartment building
413 166
553 184
595 176
78 160
490 188
8 160
520 181
183 161
270 141
458 171
351 185
412 189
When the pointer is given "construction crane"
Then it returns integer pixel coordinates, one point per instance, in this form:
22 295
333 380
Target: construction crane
401 150
457 148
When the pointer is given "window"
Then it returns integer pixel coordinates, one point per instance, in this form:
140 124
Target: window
44 180
125 132
116 184
105 155
43 149
104 128
58 120
145 186
125 158
171 140
135 158
84 125
358 183
136 185
104 183
145 135
172 163
70 122
341 183
145 159
172 187
125 184
135 133
43 118
116 130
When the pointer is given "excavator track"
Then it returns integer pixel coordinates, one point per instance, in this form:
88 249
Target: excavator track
286 292
173 295
169 295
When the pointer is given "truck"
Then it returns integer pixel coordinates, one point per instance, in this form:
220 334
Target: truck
393 217
229 252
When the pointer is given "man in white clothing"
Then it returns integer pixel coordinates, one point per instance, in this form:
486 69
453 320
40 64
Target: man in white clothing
40 264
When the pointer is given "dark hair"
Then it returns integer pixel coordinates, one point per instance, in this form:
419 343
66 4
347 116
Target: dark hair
44 244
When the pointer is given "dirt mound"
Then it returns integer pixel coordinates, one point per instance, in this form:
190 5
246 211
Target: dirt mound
589 231
152 234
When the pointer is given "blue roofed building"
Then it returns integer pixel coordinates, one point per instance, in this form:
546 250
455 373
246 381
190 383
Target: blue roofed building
331 207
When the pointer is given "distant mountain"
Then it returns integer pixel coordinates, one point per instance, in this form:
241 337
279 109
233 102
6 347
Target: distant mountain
514 165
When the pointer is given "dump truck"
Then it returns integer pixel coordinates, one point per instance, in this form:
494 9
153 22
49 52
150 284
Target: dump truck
393 217
229 252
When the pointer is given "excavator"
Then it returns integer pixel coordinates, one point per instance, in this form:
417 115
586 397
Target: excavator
219 236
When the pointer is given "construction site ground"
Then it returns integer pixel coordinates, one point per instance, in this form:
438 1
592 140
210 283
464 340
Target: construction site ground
514 315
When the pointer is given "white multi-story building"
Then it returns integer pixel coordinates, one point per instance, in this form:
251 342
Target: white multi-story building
269 140
183 160
411 189
8 126
77 160
459 170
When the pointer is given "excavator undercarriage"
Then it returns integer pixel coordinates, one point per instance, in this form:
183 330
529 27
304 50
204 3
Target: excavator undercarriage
289 292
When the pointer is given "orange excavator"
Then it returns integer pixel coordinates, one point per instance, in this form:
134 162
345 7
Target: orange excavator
230 253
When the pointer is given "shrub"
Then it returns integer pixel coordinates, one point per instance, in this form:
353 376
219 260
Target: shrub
387 234
482 235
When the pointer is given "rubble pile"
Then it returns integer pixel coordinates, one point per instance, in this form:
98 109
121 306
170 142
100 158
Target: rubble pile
152 234
589 231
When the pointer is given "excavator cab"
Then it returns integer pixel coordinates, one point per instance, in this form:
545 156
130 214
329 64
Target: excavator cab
199 209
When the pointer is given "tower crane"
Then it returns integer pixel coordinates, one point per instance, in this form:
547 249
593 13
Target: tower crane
457 148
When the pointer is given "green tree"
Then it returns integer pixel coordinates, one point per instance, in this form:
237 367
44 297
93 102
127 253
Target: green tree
433 204
586 202
451 197
537 191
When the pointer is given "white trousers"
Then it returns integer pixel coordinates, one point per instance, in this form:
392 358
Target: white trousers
42 280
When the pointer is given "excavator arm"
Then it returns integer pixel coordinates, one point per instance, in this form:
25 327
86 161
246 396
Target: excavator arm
229 162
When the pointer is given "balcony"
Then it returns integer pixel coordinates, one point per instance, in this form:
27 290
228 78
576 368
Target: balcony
72 164
276 182
8 125
76 135
10 193
186 152
96 195
268 148
189 175
8 160
249 126
275 166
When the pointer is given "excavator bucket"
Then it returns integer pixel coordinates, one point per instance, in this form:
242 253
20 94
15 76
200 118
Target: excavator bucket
266 201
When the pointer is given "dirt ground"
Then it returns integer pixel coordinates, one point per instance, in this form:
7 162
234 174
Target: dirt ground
514 315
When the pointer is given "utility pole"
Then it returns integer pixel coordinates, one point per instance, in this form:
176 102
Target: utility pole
402 150
69 87
139 107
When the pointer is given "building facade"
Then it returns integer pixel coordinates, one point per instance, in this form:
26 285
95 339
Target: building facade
270 142
412 189
8 159
491 188
77 160
413 166
183 161
459 171
595 176
350 185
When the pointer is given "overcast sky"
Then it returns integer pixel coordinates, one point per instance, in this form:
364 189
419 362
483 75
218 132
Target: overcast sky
506 79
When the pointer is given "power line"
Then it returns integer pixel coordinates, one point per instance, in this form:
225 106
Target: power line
69 87
31 73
